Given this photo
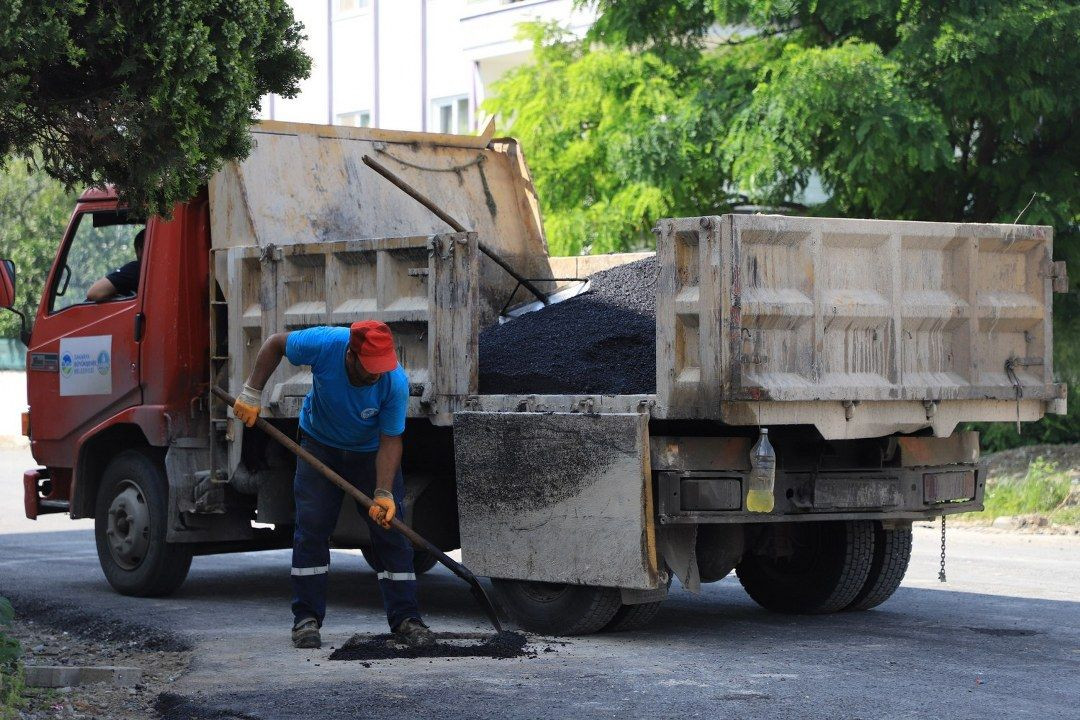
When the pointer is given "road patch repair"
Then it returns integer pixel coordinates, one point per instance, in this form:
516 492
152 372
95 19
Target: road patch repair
501 646
601 342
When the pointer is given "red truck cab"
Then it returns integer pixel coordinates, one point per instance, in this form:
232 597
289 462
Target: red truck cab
120 375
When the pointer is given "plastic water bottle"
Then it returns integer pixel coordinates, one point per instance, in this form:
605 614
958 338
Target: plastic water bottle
759 497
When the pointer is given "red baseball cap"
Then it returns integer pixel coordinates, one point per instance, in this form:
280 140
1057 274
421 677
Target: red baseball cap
373 344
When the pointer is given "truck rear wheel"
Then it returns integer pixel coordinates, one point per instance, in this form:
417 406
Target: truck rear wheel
129 526
892 552
558 608
822 568
633 617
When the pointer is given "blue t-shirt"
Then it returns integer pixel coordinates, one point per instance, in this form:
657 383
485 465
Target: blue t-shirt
336 412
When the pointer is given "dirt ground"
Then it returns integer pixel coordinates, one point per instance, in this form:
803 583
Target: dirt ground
44 645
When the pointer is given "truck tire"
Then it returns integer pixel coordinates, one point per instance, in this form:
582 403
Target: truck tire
633 617
892 552
828 567
556 608
129 526
422 561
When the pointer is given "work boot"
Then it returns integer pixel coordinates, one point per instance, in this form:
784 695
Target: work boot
305 634
413 632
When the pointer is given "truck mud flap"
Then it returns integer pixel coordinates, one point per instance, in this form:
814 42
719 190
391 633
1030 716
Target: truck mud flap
557 497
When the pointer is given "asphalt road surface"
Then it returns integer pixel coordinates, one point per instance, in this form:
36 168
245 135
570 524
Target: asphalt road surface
1000 639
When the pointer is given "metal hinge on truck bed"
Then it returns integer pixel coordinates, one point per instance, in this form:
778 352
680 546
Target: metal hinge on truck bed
1058 274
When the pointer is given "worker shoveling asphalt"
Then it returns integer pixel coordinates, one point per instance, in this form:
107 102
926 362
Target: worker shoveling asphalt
352 422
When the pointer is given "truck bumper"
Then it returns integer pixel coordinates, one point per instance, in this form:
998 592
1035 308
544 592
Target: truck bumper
896 494
39 494
703 480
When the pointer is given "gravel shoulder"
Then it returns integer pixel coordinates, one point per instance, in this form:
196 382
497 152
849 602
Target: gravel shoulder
100 643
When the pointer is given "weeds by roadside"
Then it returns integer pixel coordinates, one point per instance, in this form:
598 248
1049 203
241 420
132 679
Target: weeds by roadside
11 675
1043 490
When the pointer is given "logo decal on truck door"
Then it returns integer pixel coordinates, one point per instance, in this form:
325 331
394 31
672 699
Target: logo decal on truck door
86 365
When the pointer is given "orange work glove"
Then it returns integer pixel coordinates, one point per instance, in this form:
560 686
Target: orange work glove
246 407
383 508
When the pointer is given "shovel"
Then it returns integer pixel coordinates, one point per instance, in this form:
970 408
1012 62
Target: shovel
455 567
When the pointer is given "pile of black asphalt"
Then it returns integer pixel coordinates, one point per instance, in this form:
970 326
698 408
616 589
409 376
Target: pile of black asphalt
503 645
601 342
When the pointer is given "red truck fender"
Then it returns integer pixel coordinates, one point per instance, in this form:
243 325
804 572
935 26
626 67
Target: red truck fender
146 425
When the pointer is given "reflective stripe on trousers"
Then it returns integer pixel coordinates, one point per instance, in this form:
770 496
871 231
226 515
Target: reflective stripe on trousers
384 575
300 572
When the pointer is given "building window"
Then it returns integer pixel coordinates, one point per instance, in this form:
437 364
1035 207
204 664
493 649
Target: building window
360 118
452 115
351 7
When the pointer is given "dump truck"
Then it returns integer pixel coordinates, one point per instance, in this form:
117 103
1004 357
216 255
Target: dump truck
862 346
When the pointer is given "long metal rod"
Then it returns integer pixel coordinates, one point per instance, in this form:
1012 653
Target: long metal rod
419 541
458 227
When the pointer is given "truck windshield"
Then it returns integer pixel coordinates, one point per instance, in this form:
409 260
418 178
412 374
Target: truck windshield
103 243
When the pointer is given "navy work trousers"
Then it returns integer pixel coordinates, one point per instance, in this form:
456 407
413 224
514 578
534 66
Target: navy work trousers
318 502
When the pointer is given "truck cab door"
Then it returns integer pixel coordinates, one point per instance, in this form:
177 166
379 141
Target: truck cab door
84 355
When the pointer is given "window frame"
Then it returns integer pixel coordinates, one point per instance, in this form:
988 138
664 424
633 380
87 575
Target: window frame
454 103
358 113
62 264
363 8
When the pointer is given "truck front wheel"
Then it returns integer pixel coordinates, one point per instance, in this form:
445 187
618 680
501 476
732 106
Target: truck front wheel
129 526
809 567
558 608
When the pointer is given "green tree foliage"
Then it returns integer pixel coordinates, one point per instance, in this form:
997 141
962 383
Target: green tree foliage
10 671
148 96
902 109
617 138
34 210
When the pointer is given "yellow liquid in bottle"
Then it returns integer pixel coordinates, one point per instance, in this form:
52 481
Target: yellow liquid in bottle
762 477
759 500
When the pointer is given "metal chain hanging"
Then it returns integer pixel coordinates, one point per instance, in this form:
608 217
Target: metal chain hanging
941 572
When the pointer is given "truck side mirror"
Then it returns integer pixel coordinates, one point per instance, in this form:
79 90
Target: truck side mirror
7 284
7 296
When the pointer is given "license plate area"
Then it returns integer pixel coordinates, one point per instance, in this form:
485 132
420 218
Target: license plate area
954 486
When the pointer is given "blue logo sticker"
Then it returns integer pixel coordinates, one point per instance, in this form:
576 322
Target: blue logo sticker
66 365
103 363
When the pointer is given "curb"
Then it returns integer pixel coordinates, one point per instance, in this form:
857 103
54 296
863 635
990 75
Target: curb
54 676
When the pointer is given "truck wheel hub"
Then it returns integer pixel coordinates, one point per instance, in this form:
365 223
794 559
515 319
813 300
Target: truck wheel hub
543 592
128 529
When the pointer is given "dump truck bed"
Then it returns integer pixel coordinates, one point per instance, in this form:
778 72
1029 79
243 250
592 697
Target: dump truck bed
860 328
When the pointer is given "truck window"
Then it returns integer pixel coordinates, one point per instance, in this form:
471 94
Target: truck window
103 243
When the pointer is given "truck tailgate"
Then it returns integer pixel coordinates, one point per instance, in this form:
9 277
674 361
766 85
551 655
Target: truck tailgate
856 326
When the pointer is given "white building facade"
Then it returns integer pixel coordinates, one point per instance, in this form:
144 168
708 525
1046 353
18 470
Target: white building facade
411 64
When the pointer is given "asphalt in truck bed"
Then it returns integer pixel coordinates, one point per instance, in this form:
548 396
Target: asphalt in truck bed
601 342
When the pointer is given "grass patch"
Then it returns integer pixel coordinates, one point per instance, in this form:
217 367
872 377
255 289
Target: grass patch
1042 491
11 675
